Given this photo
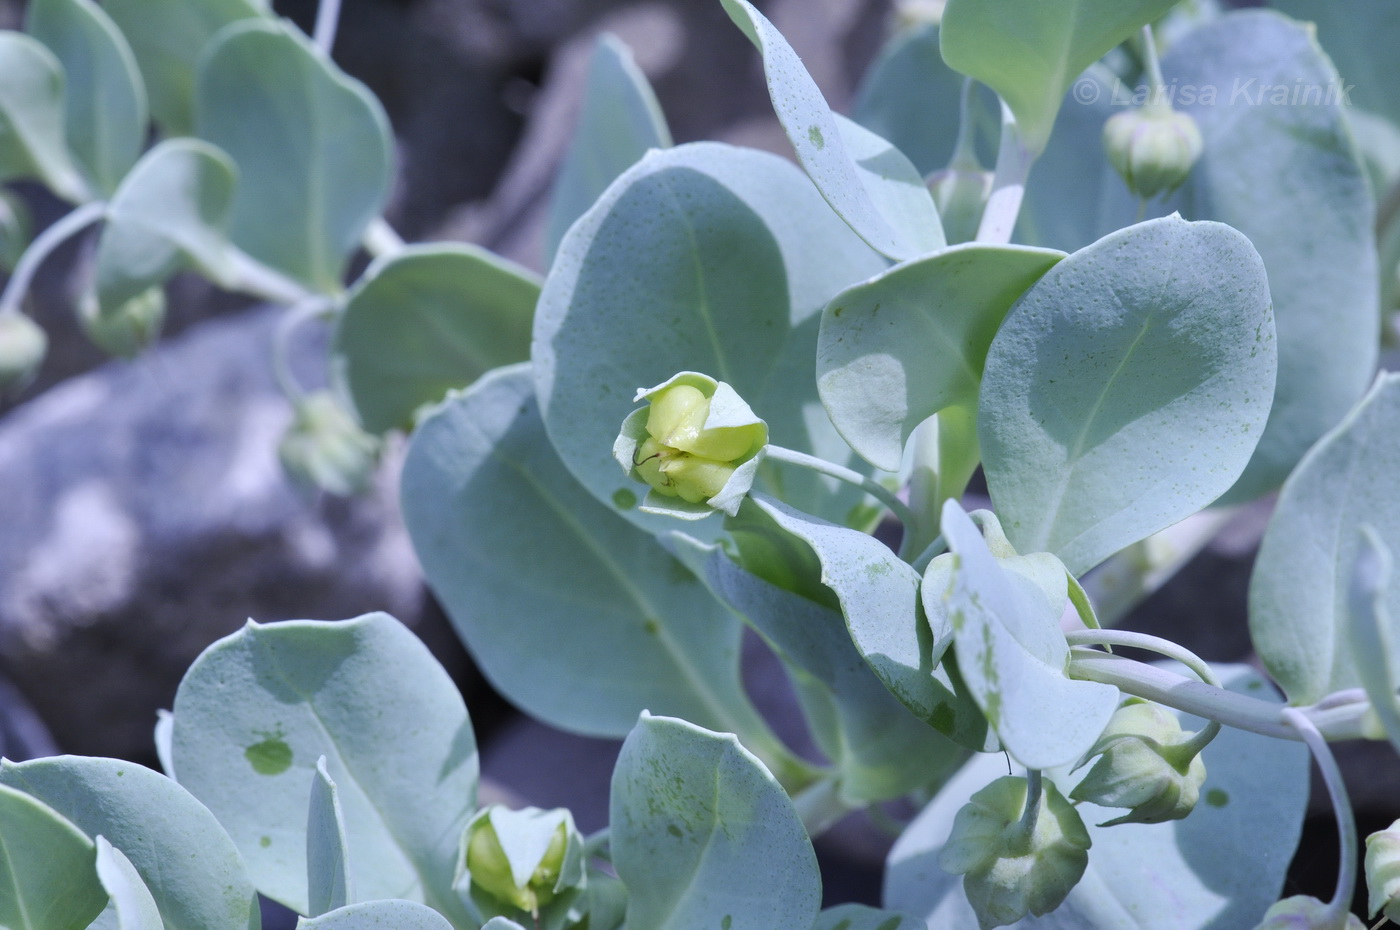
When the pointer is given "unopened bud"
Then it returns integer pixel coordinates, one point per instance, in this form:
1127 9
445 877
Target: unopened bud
127 329
23 345
1144 765
960 195
16 229
1153 148
1304 913
520 861
1383 871
1007 871
325 448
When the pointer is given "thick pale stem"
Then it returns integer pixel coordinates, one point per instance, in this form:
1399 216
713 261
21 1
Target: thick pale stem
1009 186
253 277
381 239
327 20
964 149
302 312
820 806
841 473
1035 787
1157 92
42 247
1341 806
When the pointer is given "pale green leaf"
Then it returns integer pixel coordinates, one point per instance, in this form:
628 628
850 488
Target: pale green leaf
167 38
620 119
259 707
32 135
866 180
1127 389
703 836
503 530
47 868
1299 591
896 349
105 101
312 145
135 908
1357 36
1030 53
1375 631
426 320
327 850
184 856
384 914
861 917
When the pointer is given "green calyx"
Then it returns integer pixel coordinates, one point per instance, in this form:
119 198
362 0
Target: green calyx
1153 148
521 861
126 330
1301 912
325 448
1383 871
1009 871
23 345
1146 765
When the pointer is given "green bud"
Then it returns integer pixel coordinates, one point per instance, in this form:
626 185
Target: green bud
16 229
1152 148
1304 913
1144 766
325 448
909 14
696 442
1007 872
23 345
960 194
1383 871
521 861
127 329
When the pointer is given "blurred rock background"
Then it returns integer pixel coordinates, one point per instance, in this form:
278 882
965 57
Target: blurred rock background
143 513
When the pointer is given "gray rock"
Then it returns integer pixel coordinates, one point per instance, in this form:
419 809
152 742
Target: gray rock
143 514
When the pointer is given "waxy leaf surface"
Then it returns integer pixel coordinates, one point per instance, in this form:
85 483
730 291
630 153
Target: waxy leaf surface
47 868
378 915
32 136
130 898
327 851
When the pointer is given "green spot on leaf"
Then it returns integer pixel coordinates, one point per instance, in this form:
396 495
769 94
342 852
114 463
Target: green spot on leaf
673 830
727 922
651 626
270 757
1217 798
815 135
624 499
265 842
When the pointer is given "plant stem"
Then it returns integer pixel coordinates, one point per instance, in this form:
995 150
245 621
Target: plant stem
820 806
1025 827
42 247
1156 87
381 239
840 472
964 148
253 277
299 313
327 19
1009 186
931 551
1346 721
1341 806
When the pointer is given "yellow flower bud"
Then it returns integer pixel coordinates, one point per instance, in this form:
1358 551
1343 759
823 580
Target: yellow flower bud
521 861
1152 148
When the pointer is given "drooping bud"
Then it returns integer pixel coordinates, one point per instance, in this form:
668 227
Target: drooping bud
16 229
1153 148
23 344
960 194
1383 871
325 448
697 445
127 329
1007 871
517 862
1301 912
1145 765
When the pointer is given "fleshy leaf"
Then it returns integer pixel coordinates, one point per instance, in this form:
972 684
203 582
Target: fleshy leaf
327 852
1030 54
702 835
428 319
32 136
105 101
1299 591
258 708
377 915
861 917
619 121
46 868
136 909
1375 632
900 347
1220 867
869 182
312 145
1127 389
502 529
184 856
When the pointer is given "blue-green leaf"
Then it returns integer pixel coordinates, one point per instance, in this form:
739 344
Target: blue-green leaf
46 868
1299 591
184 856
866 180
131 899
1127 389
167 38
620 119
701 258
312 145
426 320
1221 867
378 915
861 917
898 348
32 135
327 851
258 708
1375 631
1356 36
105 101
703 836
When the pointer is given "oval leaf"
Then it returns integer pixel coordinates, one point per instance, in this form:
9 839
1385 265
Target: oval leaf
703 836
168 214
1375 633
866 180
701 258
312 146
1127 389
896 349
46 868
1031 53
502 529
327 851
105 112
619 121
136 909
258 708
32 143
1299 590
186 860
377 915
428 319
